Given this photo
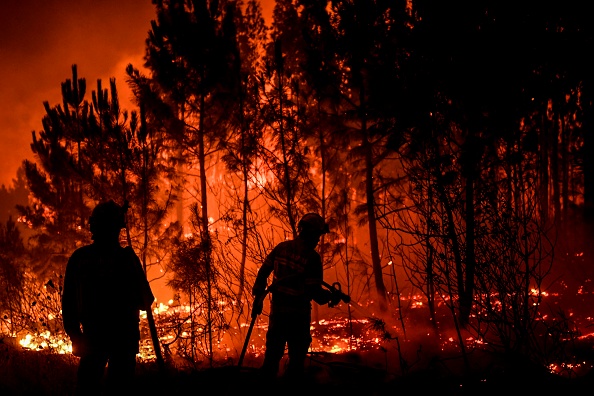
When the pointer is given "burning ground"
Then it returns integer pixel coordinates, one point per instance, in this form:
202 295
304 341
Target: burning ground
371 372
355 351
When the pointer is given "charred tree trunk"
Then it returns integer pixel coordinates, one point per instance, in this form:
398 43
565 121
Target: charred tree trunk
470 160
544 169
429 270
555 168
244 205
587 128
380 287
279 62
206 242
466 296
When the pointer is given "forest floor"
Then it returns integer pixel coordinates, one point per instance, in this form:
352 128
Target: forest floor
42 373
416 365
419 364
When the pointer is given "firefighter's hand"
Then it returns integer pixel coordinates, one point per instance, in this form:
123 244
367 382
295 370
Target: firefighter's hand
79 346
258 305
258 291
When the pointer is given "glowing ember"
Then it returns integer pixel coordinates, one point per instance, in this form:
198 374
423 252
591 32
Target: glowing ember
45 340
332 336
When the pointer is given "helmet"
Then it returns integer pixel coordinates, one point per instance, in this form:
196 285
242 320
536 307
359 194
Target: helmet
107 216
313 222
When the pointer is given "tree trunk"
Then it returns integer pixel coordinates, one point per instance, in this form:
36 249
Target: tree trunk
204 222
466 297
544 169
281 131
380 287
587 126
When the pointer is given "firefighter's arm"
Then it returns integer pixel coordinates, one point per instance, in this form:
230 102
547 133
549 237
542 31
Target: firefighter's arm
264 272
147 297
71 307
261 283
317 292
314 281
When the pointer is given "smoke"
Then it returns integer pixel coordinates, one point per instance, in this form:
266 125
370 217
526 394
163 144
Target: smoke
39 42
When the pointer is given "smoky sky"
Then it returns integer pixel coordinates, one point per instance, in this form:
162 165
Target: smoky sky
40 40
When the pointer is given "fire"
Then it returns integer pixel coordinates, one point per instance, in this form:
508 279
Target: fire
338 334
46 340
330 336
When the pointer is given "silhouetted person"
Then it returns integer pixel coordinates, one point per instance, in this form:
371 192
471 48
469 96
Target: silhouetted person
297 280
104 290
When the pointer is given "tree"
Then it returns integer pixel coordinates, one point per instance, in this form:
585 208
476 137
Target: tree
190 54
473 166
364 53
14 194
57 211
241 150
12 276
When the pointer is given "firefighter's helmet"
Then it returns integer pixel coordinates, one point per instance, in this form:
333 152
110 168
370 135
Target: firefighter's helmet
313 222
106 217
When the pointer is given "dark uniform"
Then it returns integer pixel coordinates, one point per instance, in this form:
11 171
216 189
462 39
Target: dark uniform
104 290
297 280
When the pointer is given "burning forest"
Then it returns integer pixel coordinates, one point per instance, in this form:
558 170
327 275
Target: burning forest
446 148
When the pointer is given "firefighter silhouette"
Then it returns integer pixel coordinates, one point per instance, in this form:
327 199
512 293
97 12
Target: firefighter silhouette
297 280
104 290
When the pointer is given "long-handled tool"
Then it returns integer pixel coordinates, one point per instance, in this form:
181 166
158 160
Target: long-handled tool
149 312
255 312
334 288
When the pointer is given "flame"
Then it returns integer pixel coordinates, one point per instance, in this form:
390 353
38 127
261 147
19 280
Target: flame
336 335
45 340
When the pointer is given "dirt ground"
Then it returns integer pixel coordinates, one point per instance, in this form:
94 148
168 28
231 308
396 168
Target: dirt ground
41 373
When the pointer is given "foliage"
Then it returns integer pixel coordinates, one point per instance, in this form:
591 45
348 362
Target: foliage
444 143
28 306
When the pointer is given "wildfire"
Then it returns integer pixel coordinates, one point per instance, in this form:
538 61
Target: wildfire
335 335
330 336
46 340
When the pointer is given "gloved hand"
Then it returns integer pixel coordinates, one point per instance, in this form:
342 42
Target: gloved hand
79 345
258 291
258 305
259 295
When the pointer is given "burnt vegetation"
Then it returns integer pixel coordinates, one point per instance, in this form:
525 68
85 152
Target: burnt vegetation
448 144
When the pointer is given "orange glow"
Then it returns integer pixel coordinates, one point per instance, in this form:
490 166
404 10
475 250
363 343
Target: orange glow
330 335
41 40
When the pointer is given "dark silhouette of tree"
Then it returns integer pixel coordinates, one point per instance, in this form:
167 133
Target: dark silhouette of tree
242 148
313 52
364 50
190 53
455 134
12 276
470 72
291 193
192 331
474 166
57 211
13 195
131 165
